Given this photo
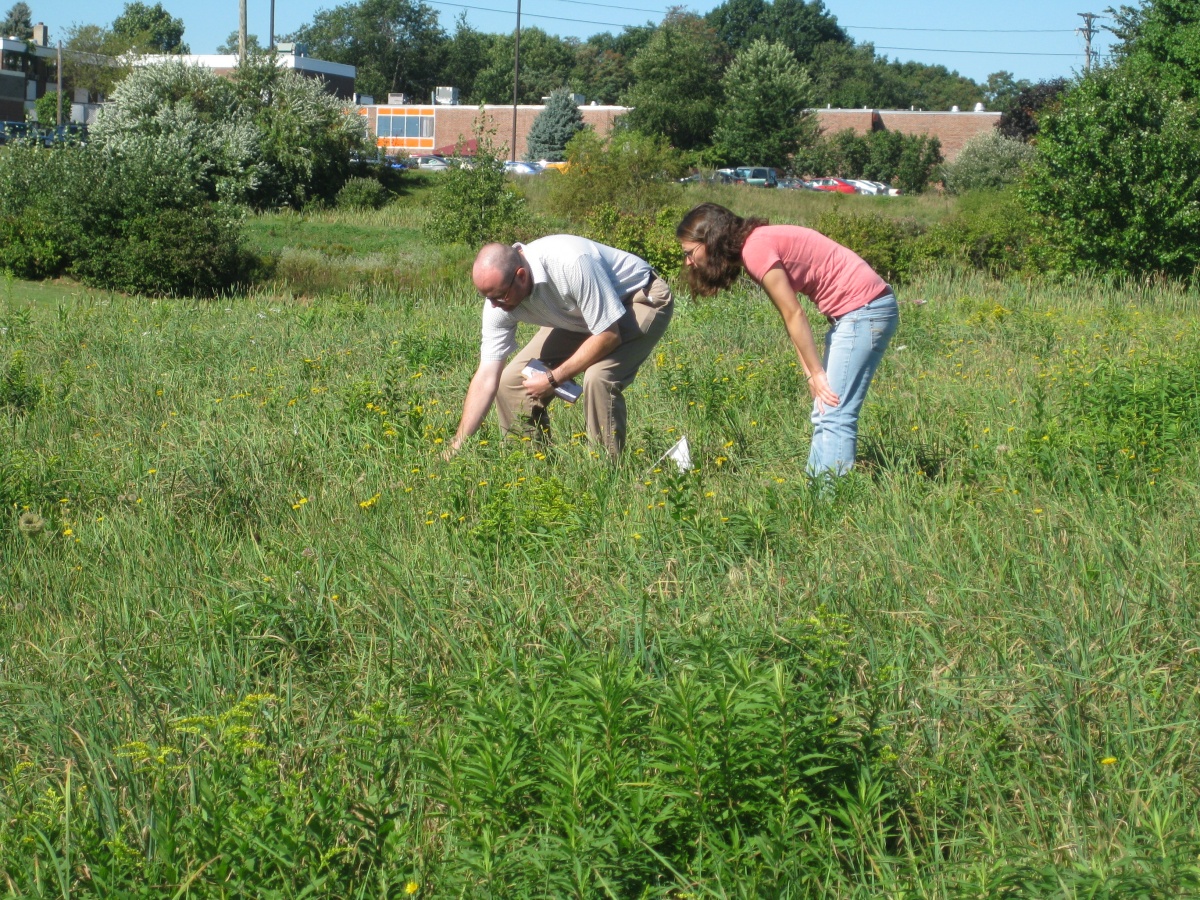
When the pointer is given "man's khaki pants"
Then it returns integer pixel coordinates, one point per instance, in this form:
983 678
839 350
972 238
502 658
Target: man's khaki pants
645 321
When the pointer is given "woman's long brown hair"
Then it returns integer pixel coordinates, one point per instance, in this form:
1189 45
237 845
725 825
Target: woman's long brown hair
723 234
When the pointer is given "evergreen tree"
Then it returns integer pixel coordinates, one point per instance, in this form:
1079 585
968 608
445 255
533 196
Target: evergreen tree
18 21
560 121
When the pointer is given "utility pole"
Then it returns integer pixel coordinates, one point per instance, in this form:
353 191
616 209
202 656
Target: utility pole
241 32
1088 31
271 35
516 77
58 78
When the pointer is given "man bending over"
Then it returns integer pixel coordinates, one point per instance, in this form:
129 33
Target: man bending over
601 312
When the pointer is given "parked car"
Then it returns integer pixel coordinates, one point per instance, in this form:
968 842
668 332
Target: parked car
862 186
548 166
838 185
795 184
432 163
757 176
873 188
12 131
520 167
59 135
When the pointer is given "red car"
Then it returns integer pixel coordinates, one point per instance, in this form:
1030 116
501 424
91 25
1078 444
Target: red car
833 184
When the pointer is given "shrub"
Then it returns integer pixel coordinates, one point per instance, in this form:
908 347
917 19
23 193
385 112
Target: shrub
268 137
474 203
988 161
178 252
362 193
1117 176
888 245
123 222
992 231
628 171
650 236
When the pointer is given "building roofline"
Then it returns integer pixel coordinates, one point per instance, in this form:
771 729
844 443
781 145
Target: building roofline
230 61
911 112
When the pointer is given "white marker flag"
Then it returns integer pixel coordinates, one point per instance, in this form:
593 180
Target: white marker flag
680 453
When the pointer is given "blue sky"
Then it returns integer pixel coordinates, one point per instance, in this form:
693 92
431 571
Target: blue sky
1033 39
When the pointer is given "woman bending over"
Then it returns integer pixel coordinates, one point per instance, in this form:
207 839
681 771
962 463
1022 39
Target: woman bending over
786 261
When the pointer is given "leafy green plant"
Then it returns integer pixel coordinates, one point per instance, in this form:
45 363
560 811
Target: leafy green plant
582 772
627 171
362 193
652 237
1116 177
474 202
986 162
888 245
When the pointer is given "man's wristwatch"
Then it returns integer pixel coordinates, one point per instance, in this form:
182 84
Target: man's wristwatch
550 377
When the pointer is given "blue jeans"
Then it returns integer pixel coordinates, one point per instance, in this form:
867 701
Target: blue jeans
854 346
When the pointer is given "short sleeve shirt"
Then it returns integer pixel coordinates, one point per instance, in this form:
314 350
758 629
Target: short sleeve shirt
578 285
834 277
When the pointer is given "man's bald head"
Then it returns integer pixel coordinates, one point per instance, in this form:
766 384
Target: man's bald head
495 275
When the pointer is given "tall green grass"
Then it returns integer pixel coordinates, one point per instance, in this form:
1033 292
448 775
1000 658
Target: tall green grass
258 639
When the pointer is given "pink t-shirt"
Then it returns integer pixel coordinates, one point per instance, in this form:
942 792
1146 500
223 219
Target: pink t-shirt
834 277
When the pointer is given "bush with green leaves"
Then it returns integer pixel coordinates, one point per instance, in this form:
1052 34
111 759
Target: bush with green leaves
474 203
991 231
629 171
125 221
908 161
888 245
1117 176
987 161
362 193
266 137
554 127
649 235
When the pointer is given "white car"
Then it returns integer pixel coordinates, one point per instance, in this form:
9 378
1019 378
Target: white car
866 187
432 163
519 167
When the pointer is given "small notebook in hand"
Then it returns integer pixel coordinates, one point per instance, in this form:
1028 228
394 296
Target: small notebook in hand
566 390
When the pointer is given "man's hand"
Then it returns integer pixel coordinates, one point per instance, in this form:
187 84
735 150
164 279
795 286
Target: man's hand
450 452
538 387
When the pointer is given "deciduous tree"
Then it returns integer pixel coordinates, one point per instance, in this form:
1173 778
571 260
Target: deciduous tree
765 118
678 85
150 29
396 45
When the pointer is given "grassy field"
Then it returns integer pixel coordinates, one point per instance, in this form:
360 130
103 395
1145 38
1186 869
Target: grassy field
258 639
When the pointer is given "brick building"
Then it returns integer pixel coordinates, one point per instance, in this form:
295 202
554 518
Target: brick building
415 128
952 129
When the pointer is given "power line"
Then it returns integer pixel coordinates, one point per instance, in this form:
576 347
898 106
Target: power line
975 52
953 30
508 12
616 25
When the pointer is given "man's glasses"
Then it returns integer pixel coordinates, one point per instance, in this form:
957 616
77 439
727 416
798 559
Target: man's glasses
503 298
